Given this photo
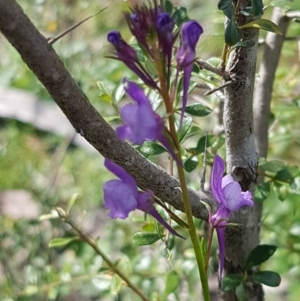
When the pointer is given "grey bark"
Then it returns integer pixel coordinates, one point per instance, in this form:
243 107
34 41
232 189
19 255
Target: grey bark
45 64
241 154
264 84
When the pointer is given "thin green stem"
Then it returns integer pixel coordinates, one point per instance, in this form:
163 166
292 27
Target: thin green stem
210 237
93 244
185 197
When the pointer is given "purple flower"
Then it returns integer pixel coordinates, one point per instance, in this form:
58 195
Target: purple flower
140 121
122 196
128 56
190 34
230 197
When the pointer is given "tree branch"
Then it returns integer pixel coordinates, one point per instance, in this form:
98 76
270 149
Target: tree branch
241 153
43 61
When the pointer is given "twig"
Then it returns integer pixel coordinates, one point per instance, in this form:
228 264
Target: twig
204 65
51 41
94 245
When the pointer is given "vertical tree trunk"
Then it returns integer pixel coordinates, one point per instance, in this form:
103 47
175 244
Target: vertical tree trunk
264 85
241 154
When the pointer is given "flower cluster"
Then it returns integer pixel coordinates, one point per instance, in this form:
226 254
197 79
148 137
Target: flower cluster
154 30
230 197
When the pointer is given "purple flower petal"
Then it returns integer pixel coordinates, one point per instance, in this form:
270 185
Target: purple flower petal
216 179
234 197
230 197
190 34
120 198
226 180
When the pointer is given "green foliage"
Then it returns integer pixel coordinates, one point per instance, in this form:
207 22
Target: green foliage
263 24
258 255
145 238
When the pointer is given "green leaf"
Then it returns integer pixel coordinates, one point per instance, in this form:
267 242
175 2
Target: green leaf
168 8
232 33
118 93
231 281
71 202
180 16
145 238
280 190
229 11
263 24
243 44
223 4
257 7
172 283
268 278
259 254
242 292
150 66
152 148
287 173
214 61
186 124
262 191
61 242
105 97
201 143
197 109
295 185
272 166
191 163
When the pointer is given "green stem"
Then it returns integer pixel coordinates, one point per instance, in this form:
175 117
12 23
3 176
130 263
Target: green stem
185 198
210 237
93 244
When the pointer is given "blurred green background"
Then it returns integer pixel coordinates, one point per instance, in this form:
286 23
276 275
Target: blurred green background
40 170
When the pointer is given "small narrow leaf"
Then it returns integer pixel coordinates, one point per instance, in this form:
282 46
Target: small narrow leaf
287 173
257 7
168 8
242 292
295 185
262 191
223 4
152 148
191 163
201 143
268 278
259 254
244 44
229 11
280 190
186 124
180 16
72 202
145 238
272 166
172 282
61 242
198 110
232 33
263 24
231 281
